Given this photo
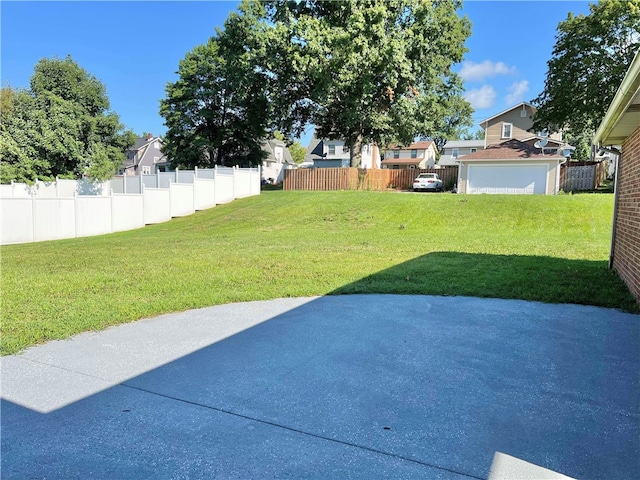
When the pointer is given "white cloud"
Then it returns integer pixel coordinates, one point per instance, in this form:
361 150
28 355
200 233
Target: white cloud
471 71
517 91
482 97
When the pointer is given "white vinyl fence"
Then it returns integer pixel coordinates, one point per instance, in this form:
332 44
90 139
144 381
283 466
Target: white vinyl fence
70 208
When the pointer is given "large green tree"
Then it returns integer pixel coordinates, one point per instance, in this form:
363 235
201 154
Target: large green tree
218 112
590 58
369 71
61 126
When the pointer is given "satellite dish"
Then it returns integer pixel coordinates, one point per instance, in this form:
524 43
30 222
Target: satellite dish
543 142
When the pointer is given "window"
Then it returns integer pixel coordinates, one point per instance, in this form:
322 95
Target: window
146 170
523 112
332 149
396 154
506 130
455 152
474 150
414 153
156 144
155 159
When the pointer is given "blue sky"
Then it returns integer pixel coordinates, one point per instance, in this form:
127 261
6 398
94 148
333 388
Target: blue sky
134 48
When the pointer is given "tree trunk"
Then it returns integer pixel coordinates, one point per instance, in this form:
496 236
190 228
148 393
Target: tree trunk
355 150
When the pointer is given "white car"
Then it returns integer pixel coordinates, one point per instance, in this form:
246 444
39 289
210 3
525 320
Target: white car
428 181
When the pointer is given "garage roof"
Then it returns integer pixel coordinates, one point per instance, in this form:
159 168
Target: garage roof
623 116
511 150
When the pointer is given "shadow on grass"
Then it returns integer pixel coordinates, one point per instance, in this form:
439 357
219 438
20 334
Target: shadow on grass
537 278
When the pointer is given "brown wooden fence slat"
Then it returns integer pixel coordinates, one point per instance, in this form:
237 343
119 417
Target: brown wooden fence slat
354 179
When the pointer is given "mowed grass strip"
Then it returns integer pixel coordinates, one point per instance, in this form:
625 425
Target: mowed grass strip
289 244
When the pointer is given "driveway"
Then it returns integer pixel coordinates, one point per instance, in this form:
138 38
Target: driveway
355 386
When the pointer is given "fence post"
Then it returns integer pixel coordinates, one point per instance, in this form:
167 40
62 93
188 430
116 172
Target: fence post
215 184
177 170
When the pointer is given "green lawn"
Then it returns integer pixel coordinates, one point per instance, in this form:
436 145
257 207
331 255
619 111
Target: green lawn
285 244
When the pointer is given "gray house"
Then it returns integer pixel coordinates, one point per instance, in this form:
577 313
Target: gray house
145 157
454 149
278 160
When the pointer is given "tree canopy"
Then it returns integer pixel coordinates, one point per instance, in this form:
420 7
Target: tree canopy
590 58
373 71
61 126
218 112
361 71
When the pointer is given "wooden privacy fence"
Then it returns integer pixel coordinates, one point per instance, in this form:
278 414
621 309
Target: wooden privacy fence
582 175
361 179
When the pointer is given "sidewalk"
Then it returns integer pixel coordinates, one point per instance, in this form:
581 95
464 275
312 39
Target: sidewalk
358 386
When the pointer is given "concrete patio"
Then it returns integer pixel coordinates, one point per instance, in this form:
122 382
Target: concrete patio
357 386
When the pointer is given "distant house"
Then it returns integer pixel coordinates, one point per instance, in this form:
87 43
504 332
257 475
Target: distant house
416 155
455 149
277 161
620 127
325 153
512 167
513 123
145 157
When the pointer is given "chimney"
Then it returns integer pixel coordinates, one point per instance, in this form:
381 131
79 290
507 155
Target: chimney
149 136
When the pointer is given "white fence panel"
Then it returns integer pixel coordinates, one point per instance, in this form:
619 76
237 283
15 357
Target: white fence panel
157 205
224 185
21 190
204 194
185 176
127 212
255 181
17 220
242 183
53 218
209 173
93 215
150 181
6 191
181 199
51 211
117 184
165 179
48 189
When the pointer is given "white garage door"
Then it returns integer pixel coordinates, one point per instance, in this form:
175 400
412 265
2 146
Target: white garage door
510 178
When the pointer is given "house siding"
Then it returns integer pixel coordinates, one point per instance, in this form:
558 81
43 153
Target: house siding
520 129
626 242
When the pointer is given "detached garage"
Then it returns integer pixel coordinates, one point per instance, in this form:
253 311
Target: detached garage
511 167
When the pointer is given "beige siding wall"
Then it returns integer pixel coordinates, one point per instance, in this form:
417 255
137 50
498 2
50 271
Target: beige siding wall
519 130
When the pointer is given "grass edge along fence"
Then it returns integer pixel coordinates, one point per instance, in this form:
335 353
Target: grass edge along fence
325 179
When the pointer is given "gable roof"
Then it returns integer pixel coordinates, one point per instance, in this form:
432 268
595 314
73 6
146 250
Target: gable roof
421 145
402 161
269 147
464 144
508 110
511 150
623 116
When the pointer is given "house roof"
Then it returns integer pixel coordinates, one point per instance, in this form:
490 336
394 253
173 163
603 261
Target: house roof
421 145
464 144
623 116
269 147
402 161
446 160
508 110
511 150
